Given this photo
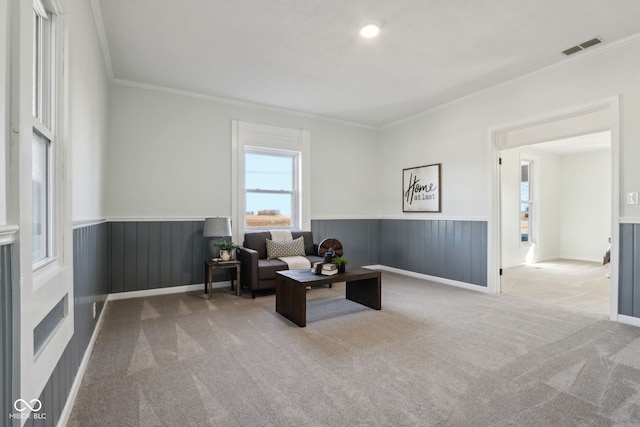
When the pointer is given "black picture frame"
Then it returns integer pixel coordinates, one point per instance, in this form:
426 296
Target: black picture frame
421 188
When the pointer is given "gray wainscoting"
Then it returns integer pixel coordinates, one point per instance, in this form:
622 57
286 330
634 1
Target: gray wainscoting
359 237
90 280
629 268
6 328
455 250
90 285
150 255
450 249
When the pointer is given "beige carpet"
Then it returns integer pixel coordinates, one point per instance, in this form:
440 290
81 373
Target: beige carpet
563 284
434 356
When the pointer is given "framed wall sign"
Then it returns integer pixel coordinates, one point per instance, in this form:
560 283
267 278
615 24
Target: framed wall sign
421 189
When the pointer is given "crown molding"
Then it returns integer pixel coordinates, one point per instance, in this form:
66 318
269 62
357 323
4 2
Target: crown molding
236 102
102 37
593 51
100 28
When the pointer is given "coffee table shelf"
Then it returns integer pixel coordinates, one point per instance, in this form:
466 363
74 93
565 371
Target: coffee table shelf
363 286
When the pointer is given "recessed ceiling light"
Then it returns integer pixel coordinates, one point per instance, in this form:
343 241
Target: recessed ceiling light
369 31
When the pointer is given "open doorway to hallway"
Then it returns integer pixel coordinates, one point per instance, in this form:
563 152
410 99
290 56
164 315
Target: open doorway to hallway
556 222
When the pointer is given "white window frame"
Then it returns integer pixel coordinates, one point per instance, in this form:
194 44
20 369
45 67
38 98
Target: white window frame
4 108
529 203
48 208
45 66
44 285
245 134
294 156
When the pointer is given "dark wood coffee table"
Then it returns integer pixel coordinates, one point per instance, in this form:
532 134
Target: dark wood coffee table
364 286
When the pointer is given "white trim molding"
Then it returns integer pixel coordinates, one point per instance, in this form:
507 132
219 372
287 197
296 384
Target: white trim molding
7 234
102 37
81 223
602 48
165 291
155 219
629 320
246 134
75 387
423 217
629 220
604 112
441 280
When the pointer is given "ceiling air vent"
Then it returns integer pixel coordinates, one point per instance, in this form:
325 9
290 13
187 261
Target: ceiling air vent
581 46
590 43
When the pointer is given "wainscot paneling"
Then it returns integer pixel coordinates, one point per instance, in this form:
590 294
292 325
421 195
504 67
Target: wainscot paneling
90 286
629 268
6 328
90 279
160 254
451 249
359 237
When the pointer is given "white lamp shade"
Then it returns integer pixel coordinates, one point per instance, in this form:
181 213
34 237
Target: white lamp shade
217 227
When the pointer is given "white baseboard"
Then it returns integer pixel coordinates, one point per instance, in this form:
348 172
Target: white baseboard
165 291
68 407
629 320
442 280
75 387
573 258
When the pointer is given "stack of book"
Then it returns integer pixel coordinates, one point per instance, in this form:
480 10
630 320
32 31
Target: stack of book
324 268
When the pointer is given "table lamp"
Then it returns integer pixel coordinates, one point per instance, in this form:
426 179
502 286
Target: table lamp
216 227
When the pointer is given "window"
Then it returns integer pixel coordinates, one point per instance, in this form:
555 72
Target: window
272 185
43 65
43 136
41 203
271 188
526 202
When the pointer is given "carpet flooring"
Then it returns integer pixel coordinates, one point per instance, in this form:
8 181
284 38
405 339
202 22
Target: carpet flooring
564 284
434 356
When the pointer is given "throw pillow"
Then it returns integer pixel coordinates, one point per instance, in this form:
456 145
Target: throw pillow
283 249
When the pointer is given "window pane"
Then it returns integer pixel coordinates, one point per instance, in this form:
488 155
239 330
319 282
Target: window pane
524 181
35 100
524 222
268 209
40 196
267 172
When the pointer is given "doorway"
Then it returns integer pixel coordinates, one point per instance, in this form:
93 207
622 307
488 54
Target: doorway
592 118
556 222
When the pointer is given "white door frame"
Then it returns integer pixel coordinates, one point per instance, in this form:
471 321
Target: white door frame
499 139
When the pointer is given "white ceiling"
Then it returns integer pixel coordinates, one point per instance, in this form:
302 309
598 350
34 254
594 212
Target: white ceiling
577 144
306 55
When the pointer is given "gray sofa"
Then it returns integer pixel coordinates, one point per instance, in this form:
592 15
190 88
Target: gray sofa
258 272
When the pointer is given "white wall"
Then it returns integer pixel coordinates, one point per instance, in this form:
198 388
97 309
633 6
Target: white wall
546 209
88 98
572 206
457 134
169 156
586 205
4 108
78 141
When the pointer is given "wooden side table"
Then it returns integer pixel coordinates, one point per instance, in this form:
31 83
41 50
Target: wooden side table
210 266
